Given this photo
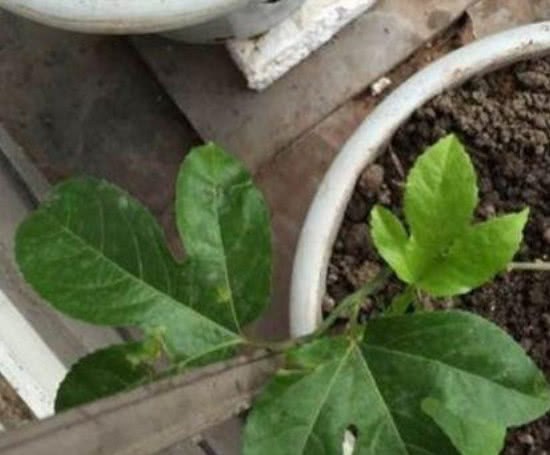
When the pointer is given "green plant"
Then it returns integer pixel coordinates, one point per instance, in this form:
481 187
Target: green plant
425 382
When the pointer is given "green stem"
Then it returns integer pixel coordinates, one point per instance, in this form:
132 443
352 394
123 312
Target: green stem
530 266
401 302
353 301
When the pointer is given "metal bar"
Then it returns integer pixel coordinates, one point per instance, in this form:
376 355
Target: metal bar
151 418
37 184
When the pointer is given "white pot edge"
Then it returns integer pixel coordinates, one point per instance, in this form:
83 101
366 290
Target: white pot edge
121 16
327 210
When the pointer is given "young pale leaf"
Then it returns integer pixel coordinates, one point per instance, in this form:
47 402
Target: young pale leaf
96 254
378 385
224 223
440 194
470 437
391 239
104 373
445 254
476 255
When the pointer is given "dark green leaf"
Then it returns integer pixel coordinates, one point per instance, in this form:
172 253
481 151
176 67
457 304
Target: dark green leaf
377 386
96 254
470 437
104 373
224 223
307 409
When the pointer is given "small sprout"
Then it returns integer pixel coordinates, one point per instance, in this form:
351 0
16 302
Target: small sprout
445 253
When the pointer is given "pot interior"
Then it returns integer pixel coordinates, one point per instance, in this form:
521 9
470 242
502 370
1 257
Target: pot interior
503 119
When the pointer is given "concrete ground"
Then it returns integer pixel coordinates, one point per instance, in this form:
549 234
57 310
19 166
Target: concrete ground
128 110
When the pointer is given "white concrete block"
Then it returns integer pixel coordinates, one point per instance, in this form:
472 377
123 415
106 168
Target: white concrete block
265 59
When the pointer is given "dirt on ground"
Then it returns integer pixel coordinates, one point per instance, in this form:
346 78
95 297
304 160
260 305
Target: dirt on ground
13 412
504 121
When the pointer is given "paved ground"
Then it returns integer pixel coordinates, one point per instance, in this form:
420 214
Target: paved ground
88 104
85 104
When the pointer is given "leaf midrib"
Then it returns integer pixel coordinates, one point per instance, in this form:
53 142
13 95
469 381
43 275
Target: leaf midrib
224 258
381 398
322 402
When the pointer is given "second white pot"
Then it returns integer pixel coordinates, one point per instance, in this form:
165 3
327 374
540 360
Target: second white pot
327 210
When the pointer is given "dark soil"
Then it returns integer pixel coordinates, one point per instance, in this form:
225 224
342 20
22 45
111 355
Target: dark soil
504 121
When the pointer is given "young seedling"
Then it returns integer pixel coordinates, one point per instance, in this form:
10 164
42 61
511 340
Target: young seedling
441 382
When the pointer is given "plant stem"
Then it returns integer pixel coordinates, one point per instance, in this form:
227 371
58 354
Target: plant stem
353 301
537 266
401 302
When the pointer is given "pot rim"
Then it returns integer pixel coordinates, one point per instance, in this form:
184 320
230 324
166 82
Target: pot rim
369 140
121 16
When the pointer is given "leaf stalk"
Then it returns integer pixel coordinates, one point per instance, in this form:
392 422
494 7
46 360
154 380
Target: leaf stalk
537 266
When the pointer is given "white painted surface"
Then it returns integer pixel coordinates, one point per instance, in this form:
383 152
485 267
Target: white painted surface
327 210
265 59
122 16
26 362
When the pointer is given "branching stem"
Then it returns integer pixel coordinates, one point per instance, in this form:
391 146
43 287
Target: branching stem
353 301
349 305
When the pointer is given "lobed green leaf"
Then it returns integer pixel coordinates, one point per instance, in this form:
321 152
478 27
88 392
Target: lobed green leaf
97 255
224 223
385 387
445 254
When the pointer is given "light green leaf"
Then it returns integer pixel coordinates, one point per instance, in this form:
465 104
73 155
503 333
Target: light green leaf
96 254
445 254
224 223
104 373
470 437
440 194
476 256
391 239
401 302
378 385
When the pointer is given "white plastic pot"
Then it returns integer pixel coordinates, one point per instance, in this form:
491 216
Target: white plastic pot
191 20
327 210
